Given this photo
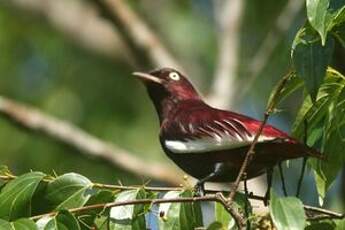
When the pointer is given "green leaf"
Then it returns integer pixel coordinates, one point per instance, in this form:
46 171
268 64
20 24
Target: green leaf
337 25
216 226
317 13
243 203
70 190
4 170
327 170
223 217
320 226
311 59
20 224
101 222
4 225
169 212
287 212
333 145
63 221
24 224
101 197
41 223
339 34
340 224
15 197
190 213
290 84
326 126
315 113
174 216
129 216
339 17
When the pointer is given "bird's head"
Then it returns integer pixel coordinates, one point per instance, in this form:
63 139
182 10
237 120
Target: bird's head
167 82
167 87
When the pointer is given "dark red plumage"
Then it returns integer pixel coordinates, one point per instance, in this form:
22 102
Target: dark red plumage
208 143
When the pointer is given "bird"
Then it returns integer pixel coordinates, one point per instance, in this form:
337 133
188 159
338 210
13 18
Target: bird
208 143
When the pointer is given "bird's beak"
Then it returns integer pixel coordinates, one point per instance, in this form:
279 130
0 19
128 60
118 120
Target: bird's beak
147 77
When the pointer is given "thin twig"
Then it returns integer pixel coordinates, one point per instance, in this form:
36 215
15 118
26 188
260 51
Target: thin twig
140 38
133 202
67 133
326 213
148 188
228 16
250 153
246 207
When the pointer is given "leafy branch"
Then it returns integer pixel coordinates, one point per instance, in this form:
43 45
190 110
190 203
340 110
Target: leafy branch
218 197
67 188
315 213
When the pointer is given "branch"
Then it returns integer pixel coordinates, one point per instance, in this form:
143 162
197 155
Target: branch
79 22
272 39
133 202
141 39
325 214
310 210
7 176
250 153
35 121
216 197
228 15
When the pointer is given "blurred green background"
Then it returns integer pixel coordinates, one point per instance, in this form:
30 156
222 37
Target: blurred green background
43 67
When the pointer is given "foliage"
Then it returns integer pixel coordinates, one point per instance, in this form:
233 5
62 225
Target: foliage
321 115
287 213
71 201
73 191
104 207
325 128
180 216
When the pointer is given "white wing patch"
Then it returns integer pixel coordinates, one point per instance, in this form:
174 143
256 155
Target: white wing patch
207 144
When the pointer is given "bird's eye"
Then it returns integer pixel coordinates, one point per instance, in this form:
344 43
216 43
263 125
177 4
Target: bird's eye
174 76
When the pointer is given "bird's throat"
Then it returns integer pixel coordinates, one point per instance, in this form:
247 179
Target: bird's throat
165 108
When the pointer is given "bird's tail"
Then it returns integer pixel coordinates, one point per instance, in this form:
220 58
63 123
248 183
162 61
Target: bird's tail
312 152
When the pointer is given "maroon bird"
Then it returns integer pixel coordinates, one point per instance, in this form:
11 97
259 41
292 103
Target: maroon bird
208 143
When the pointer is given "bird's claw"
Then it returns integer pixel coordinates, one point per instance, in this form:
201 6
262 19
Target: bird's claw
199 189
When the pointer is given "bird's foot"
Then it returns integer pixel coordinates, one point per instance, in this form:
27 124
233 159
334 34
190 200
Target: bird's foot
199 189
266 198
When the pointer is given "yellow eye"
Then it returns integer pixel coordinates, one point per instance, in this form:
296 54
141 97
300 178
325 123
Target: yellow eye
174 76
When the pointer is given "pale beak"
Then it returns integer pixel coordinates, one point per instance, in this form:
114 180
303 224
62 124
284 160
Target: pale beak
148 77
